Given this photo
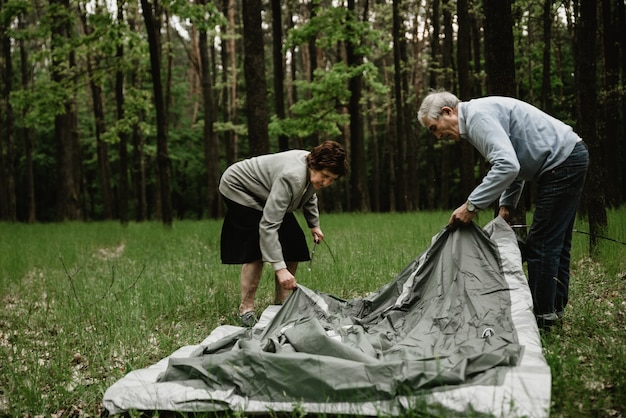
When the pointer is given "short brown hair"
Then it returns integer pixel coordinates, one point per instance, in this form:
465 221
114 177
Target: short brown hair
329 155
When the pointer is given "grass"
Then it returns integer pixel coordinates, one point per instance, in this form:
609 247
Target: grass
85 303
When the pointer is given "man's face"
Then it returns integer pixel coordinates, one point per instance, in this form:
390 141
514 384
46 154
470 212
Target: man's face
446 127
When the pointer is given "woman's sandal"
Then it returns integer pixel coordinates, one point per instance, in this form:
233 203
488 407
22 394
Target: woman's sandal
248 319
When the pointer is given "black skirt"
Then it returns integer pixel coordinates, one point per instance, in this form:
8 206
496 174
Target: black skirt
240 236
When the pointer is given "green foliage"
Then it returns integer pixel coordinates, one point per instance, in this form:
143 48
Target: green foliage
323 110
41 104
335 25
206 17
13 8
324 113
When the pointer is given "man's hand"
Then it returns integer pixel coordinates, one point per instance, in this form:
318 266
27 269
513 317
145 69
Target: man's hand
461 215
505 213
286 279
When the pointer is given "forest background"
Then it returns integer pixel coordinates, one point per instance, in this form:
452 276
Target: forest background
130 110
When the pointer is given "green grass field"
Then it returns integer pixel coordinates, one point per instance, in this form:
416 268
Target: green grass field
85 303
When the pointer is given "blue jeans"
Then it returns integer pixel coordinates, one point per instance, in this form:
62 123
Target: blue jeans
549 240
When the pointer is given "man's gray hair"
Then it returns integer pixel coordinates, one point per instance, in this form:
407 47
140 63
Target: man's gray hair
432 104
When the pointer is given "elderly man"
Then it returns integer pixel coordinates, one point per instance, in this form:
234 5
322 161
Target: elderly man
522 143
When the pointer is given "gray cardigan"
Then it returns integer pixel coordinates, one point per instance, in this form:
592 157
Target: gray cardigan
275 184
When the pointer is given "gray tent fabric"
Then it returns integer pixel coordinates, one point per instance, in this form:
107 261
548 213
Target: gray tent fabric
444 320
441 333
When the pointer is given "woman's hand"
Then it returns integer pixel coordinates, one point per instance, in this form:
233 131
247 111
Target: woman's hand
286 280
318 235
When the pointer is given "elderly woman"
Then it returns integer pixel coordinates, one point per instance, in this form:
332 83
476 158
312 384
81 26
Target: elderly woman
261 194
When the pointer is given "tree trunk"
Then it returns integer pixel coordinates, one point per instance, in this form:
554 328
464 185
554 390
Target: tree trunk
447 76
546 84
29 145
399 124
256 83
585 56
410 136
102 148
613 132
138 162
468 158
310 66
500 67
211 147
163 159
68 205
499 48
123 135
279 72
229 81
434 178
358 175
8 209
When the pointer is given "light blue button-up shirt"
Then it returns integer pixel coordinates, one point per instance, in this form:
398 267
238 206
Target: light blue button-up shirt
520 142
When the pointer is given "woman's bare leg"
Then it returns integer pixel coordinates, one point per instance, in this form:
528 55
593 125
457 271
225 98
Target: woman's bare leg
250 278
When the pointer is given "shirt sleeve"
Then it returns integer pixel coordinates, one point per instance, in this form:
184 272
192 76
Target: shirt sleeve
311 213
511 196
275 209
493 142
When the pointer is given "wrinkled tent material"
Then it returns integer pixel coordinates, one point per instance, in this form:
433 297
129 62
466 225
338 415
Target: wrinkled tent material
442 326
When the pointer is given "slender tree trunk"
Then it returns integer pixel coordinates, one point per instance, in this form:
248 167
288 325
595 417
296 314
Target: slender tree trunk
139 175
292 91
211 148
613 131
476 56
546 84
448 81
8 209
29 145
138 158
621 149
229 81
163 159
256 83
374 158
585 58
465 92
499 47
102 148
119 106
433 177
279 72
399 124
500 66
68 205
310 66
397 144
410 135
358 175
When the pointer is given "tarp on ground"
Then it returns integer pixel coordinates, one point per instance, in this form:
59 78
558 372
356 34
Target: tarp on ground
452 331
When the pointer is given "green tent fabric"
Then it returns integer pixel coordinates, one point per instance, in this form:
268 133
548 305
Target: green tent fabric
444 321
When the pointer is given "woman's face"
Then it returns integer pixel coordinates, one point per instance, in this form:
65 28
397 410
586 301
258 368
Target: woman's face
321 178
